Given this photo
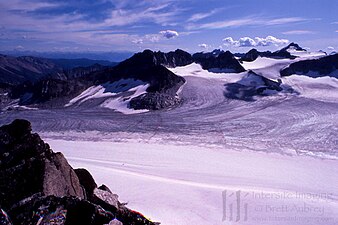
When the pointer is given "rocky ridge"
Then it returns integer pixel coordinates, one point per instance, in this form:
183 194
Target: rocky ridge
38 186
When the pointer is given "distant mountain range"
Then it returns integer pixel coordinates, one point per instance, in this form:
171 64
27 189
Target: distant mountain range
54 82
106 56
16 70
284 53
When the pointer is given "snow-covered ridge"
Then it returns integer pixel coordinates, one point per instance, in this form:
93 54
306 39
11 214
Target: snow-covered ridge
116 95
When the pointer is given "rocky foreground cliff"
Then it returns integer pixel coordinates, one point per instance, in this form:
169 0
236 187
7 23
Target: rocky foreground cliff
38 186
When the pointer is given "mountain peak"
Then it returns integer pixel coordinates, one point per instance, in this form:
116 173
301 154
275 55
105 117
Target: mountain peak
294 46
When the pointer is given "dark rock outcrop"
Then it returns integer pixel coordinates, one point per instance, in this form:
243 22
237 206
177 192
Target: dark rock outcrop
86 180
325 66
38 186
28 166
222 61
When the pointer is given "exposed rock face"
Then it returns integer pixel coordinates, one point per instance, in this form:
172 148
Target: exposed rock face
28 166
38 186
325 66
86 180
223 61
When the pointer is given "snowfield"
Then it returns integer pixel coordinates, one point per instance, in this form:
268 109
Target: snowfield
184 184
127 88
212 160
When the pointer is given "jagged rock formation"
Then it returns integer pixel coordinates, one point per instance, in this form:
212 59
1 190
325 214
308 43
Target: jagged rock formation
218 61
325 66
38 186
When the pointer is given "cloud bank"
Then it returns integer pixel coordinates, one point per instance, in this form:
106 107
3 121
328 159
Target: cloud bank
254 42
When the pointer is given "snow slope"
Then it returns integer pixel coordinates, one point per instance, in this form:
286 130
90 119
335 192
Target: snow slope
181 185
116 95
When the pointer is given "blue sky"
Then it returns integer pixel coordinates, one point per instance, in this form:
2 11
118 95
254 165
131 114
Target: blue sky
131 25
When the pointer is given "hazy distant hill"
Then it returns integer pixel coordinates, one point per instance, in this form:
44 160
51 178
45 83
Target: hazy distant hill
15 70
107 56
82 62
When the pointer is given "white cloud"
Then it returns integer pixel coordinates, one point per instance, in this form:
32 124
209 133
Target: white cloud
225 24
229 41
257 41
200 16
249 21
270 40
154 38
298 32
19 48
204 46
285 20
137 41
169 34
330 48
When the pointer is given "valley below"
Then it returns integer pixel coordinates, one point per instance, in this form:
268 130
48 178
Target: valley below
235 144
177 165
